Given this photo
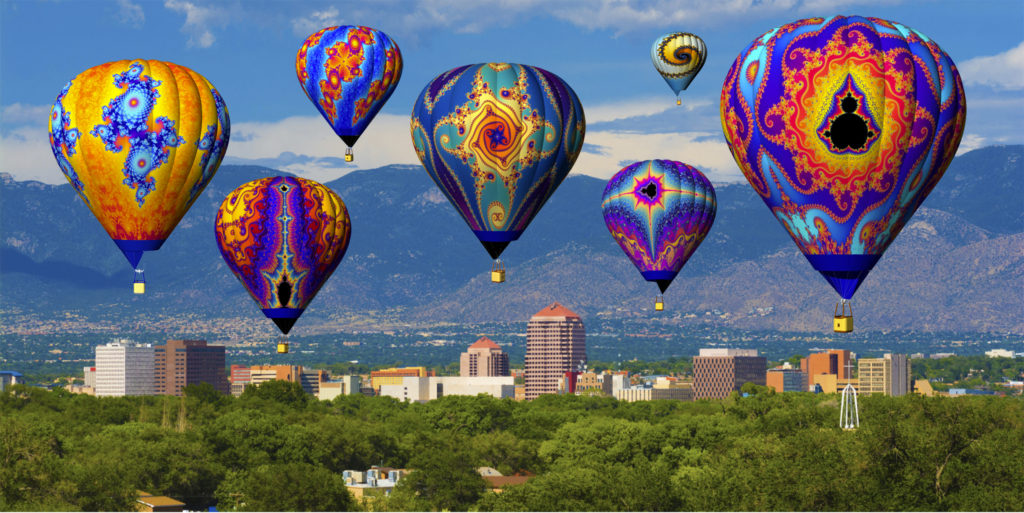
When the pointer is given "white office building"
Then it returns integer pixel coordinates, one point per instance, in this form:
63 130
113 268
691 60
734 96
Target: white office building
125 369
430 388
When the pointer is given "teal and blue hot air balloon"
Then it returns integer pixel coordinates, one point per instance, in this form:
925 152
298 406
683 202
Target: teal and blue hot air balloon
497 139
843 126
348 72
678 57
659 211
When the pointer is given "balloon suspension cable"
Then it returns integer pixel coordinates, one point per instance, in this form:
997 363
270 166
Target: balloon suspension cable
348 155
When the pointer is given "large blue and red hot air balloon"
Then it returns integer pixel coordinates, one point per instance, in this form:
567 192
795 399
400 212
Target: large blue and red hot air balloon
139 140
497 139
843 126
659 211
282 237
348 72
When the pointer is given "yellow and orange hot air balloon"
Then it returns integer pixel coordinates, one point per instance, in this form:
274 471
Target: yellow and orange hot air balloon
139 140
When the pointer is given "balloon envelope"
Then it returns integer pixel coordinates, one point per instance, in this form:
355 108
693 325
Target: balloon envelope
678 57
843 126
282 237
497 139
139 140
659 211
348 72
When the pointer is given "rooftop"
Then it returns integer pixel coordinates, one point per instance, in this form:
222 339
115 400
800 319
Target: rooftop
556 310
484 343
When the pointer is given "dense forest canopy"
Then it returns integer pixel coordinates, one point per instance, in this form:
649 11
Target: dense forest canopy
276 448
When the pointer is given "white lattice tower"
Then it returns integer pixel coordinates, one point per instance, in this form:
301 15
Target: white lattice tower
849 417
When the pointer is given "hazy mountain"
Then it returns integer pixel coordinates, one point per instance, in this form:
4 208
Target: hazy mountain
958 265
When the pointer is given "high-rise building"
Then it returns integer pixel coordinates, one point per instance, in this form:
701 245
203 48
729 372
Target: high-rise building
717 372
787 380
311 379
124 369
555 344
89 376
833 361
889 375
180 363
483 358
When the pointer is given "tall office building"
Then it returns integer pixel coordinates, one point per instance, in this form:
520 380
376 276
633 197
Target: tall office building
262 373
180 363
889 375
717 372
483 358
123 369
833 361
556 343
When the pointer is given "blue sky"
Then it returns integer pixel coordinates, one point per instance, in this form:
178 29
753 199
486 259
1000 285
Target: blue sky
600 47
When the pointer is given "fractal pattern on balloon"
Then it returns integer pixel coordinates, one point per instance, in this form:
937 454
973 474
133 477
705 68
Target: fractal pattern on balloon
659 211
127 119
348 72
497 138
282 237
63 140
843 126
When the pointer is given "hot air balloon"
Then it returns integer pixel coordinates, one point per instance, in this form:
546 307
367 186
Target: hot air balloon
659 211
348 72
139 140
678 57
497 139
843 126
282 237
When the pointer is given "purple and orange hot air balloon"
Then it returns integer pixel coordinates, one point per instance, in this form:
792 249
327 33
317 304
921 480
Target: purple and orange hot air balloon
659 211
843 126
139 140
282 237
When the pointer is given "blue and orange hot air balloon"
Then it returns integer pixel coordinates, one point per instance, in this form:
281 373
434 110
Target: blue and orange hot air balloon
139 140
497 139
282 237
659 211
348 72
843 126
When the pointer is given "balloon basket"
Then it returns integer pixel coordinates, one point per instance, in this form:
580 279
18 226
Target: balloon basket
348 155
678 101
498 273
139 285
282 347
659 304
842 322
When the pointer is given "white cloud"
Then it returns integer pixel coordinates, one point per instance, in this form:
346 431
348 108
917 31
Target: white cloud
19 113
647 106
1003 71
25 153
703 150
970 142
306 146
199 20
316 20
130 14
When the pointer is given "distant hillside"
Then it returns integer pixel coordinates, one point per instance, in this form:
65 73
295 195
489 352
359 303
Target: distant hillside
959 264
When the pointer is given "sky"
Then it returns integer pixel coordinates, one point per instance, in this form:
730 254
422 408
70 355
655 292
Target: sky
601 48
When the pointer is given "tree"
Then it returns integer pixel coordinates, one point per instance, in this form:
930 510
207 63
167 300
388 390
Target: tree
441 480
284 487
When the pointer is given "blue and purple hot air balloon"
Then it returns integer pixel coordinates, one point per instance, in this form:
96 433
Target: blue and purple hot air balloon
659 211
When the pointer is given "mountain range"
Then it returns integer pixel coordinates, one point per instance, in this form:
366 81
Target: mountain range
958 265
